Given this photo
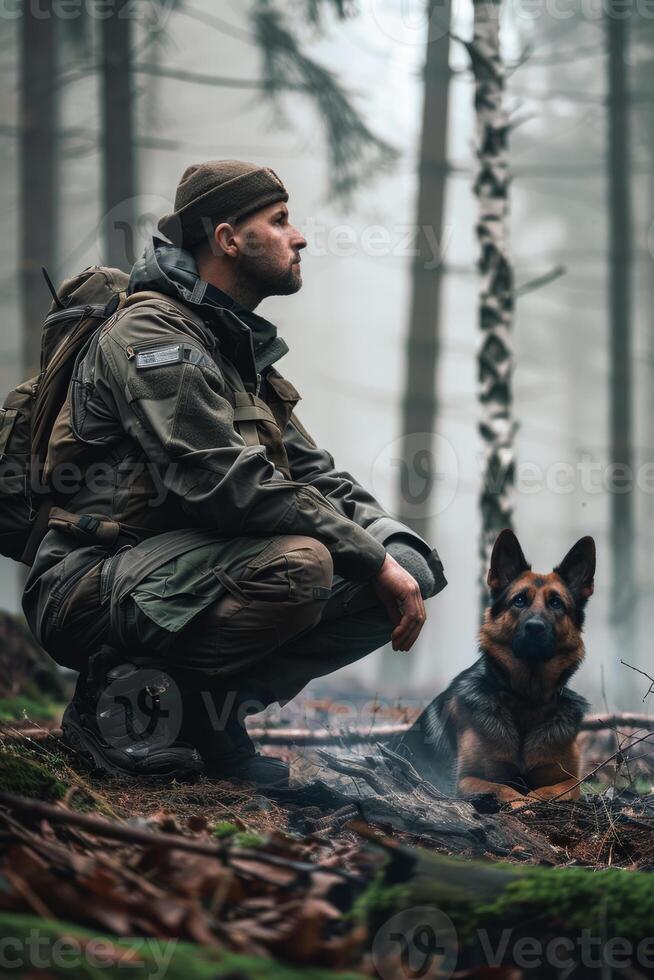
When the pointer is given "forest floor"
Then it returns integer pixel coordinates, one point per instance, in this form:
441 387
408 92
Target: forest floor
216 880
359 869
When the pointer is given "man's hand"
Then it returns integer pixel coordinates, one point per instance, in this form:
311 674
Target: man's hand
400 593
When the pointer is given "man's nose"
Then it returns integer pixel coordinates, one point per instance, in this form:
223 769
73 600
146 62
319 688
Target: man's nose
299 241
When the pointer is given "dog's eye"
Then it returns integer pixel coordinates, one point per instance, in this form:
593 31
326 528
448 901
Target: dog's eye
520 601
555 602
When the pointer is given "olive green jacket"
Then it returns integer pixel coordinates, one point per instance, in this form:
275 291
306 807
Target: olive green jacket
171 425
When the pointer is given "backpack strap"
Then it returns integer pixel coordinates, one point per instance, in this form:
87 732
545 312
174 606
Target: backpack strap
8 418
37 533
246 416
246 413
161 299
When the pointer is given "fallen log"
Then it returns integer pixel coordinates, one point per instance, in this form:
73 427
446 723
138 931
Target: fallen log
358 735
441 907
394 795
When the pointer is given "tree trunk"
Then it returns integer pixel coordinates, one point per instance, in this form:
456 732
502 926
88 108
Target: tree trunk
38 177
620 350
119 165
419 401
497 298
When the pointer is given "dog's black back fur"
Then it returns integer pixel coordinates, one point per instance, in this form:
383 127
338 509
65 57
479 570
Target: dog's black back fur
431 744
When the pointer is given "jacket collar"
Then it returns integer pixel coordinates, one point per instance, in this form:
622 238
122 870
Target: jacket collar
247 339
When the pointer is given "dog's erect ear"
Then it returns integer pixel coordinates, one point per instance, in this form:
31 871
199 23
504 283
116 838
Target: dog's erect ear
578 569
507 561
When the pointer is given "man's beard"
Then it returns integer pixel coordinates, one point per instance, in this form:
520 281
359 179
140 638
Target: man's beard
261 275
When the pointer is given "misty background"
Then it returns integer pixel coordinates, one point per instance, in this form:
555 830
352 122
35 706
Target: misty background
348 327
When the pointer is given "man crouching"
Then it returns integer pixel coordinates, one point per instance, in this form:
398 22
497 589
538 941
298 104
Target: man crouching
245 564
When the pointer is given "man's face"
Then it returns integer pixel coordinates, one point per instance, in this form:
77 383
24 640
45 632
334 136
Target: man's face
269 251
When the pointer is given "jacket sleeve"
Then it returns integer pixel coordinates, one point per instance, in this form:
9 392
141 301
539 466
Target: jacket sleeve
170 400
315 467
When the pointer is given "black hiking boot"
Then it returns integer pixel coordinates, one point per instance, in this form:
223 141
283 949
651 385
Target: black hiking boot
125 720
214 722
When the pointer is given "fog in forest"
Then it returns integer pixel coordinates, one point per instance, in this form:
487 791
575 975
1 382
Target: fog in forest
347 328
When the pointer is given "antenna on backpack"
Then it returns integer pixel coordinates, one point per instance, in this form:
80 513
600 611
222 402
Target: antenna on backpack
48 281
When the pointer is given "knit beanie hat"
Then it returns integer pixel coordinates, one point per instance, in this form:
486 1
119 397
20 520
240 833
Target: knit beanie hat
218 191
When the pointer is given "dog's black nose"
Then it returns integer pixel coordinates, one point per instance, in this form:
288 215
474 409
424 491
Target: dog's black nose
535 627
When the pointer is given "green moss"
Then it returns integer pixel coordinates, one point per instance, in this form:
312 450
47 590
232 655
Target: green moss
149 958
224 829
29 706
477 894
248 839
379 899
577 898
27 778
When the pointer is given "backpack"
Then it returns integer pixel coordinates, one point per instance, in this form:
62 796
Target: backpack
78 310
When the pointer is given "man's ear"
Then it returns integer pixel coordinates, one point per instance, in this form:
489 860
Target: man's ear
578 569
507 561
224 241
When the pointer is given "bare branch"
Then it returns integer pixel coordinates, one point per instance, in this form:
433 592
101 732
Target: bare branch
540 281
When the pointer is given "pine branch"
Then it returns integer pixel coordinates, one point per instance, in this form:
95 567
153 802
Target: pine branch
314 9
355 153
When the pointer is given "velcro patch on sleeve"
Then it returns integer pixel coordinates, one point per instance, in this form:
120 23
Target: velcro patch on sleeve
156 357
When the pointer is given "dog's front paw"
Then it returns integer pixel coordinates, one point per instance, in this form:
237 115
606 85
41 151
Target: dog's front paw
520 804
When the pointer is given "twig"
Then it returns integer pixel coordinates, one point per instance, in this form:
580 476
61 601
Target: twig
20 885
395 763
360 771
540 281
597 723
638 671
148 838
588 775
71 774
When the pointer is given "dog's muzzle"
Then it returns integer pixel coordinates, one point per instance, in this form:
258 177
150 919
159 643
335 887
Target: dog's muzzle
534 640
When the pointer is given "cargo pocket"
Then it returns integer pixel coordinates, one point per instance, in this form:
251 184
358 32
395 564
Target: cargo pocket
174 594
71 571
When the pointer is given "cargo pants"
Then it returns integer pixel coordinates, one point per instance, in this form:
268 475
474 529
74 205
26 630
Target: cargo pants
267 614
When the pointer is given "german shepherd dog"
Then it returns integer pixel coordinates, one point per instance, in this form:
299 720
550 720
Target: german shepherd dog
508 725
